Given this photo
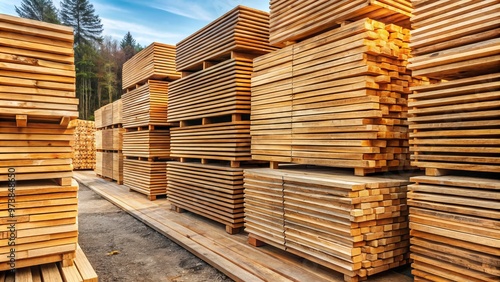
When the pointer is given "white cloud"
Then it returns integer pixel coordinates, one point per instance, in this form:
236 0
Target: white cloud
142 34
185 8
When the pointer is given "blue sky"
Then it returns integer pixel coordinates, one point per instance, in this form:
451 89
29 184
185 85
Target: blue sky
166 21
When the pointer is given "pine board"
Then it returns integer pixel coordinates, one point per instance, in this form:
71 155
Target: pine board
146 177
84 146
147 143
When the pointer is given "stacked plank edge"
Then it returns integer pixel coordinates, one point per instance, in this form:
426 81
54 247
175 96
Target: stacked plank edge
84 148
146 142
455 137
211 102
109 141
354 225
37 103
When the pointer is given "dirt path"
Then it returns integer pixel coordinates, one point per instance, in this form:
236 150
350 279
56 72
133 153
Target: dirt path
144 254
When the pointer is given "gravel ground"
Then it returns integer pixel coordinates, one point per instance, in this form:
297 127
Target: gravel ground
141 253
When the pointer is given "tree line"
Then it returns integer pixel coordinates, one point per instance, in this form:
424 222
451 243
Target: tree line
98 59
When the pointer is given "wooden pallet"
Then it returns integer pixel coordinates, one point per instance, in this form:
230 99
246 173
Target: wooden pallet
227 93
454 227
354 225
84 146
37 72
455 124
213 191
454 39
337 99
146 177
241 29
154 62
45 216
146 105
292 21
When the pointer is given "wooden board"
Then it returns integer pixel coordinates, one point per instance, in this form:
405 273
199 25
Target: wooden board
455 124
157 62
107 164
218 90
354 225
37 72
146 177
45 223
146 105
337 99
293 21
213 191
118 167
84 146
147 143
455 228
117 111
241 29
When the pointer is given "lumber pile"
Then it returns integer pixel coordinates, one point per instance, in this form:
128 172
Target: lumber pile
146 142
337 99
109 141
211 102
293 21
241 29
213 190
454 227
354 225
454 128
84 146
155 62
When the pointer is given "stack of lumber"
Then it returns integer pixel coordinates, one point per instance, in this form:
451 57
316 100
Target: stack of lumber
109 141
37 72
454 227
146 105
455 129
241 29
292 20
211 102
214 190
80 271
146 142
337 99
45 225
354 225
84 146
157 62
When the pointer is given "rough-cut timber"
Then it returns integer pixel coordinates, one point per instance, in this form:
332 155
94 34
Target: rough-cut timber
37 72
46 223
146 105
146 177
214 191
455 39
455 228
84 146
157 62
294 20
338 99
218 90
147 143
241 29
354 225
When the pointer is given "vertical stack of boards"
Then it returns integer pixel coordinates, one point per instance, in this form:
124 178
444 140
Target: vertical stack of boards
84 149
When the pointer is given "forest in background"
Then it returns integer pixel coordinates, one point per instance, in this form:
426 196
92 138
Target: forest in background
98 59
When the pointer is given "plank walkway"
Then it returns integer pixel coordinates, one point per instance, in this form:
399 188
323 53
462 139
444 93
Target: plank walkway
209 241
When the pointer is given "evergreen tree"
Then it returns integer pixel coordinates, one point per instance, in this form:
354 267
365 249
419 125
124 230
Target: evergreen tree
41 10
128 45
80 15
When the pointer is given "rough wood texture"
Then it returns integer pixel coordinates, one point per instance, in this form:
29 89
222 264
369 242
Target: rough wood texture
117 112
47 229
157 62
241 29
292 20
84 146
454 227
146 105
355 225
147 143
213 191
337 99
455 39
37 72
218 90
146 177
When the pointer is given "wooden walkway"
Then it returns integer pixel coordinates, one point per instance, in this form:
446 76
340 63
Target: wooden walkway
209 241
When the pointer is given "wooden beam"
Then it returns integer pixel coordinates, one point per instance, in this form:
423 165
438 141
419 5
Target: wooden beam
21 120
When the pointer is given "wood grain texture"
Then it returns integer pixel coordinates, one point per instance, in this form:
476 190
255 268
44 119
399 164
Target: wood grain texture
84 146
